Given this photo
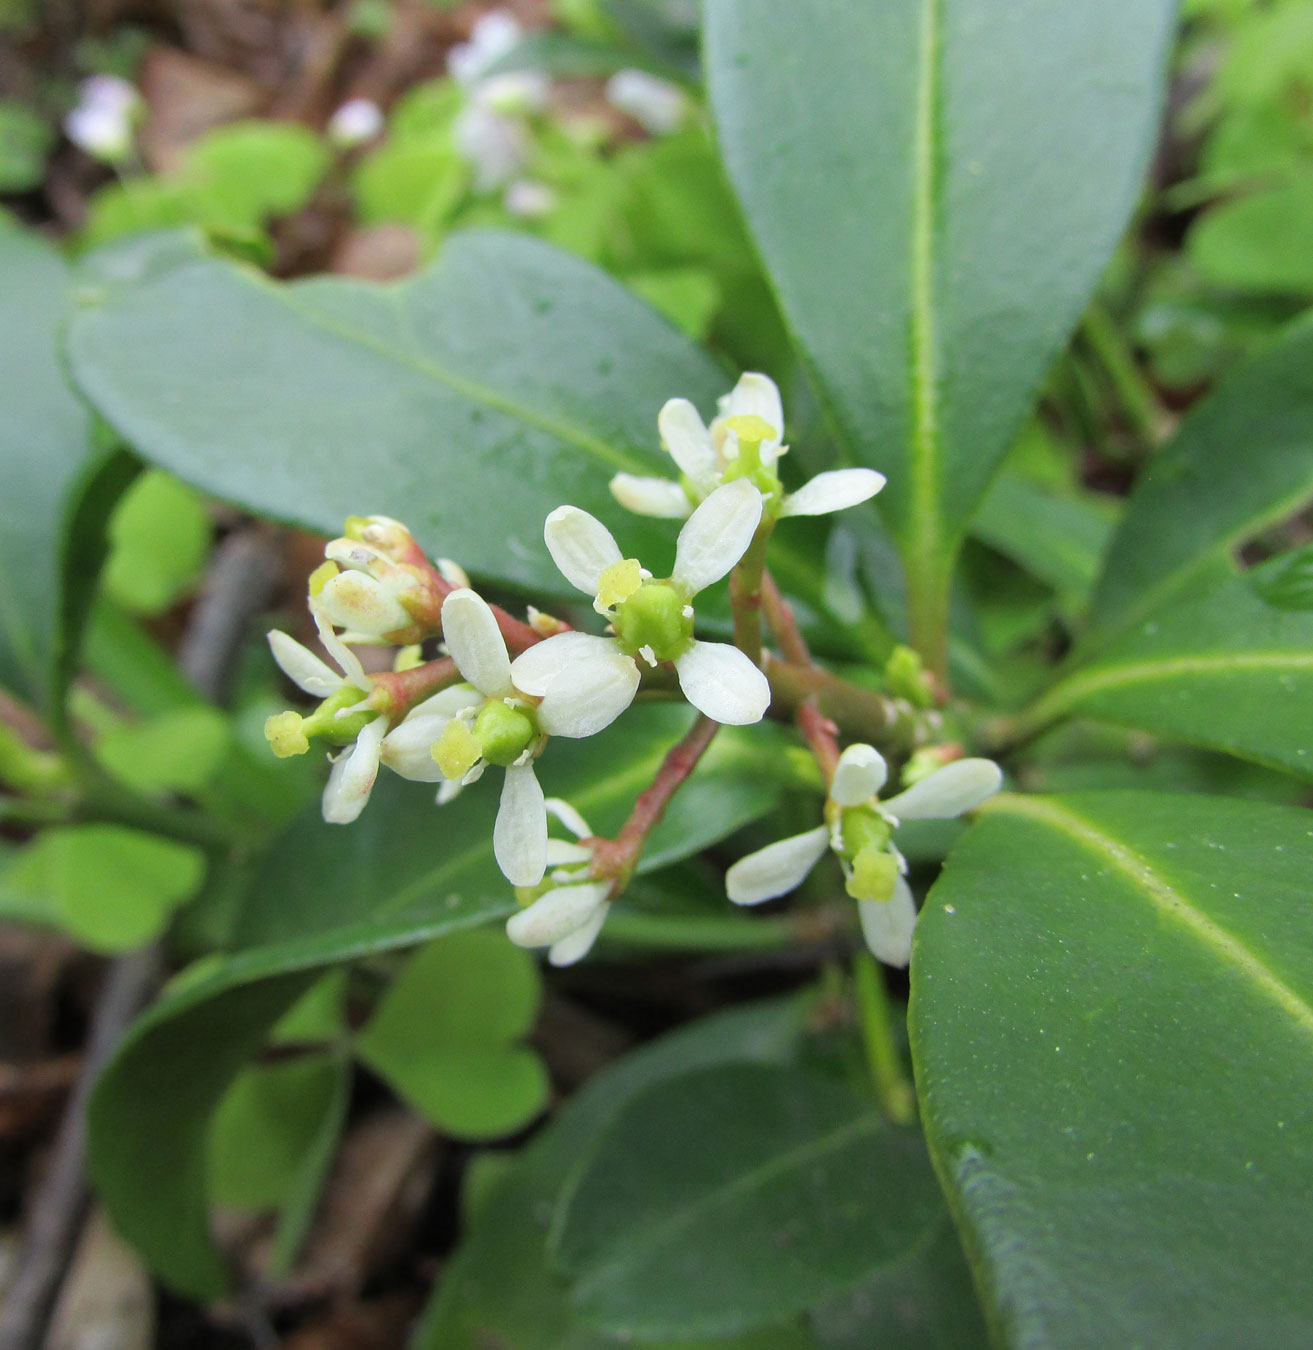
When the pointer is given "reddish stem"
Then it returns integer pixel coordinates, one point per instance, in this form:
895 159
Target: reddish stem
617 858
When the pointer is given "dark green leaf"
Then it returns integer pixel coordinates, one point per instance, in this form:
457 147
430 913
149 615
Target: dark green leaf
500 1289
737 1196
1221 668
469 401
1288 582
44 439
1242 460
934 224
25 142
1112 1019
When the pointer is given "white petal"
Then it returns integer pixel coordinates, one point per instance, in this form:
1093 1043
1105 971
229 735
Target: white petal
303 667
581 546
686 437
446 702
557 914
569 817
338 650
408 748
716 535
887 925
580 942
475 643
589 695
650 496
957 787
448 790
536 667
352 779
563 854
833 491
776 869
722 682
357 601
757 396
519 837
859 775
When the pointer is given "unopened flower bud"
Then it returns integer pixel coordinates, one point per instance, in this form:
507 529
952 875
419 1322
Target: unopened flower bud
905 677
358 120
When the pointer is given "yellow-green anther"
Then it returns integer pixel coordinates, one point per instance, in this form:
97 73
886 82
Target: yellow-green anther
654 617
285 734
457 750
321 576
874 875
618 582
504 733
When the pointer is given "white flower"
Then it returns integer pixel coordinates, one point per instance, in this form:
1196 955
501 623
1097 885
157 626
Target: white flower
103 121
504 729
859 829
529 199
366 595
358 120
496 147
492 37
567 917
658 106
744 441
652 619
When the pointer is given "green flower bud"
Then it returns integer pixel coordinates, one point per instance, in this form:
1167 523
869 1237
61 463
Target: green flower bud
905 677
504 733
653 616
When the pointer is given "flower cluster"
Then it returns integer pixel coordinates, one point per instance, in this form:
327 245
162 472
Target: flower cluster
859 830
103 123
505 689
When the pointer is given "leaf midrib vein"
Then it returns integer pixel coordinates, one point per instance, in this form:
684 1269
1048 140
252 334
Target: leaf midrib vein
1166 899
467 388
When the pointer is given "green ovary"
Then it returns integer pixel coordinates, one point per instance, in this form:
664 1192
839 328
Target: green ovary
504 733
654 617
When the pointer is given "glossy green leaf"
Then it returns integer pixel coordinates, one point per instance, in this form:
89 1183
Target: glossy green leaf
1288 582
1242 460
468 401
110 887
1221 668
934 224
500 1288
1112 1023
44 441
447 1034
736 1196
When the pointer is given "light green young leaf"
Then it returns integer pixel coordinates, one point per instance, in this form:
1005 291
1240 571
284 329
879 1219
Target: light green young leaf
934 224
1259 242
266 1125
1112 1019
159 536
110 887
447 1034
178 751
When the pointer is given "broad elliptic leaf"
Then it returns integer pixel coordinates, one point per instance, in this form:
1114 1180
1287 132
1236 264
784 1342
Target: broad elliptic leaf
1241 461
737 1196
44 442
1221 668
468 401
935 223
1112 1026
